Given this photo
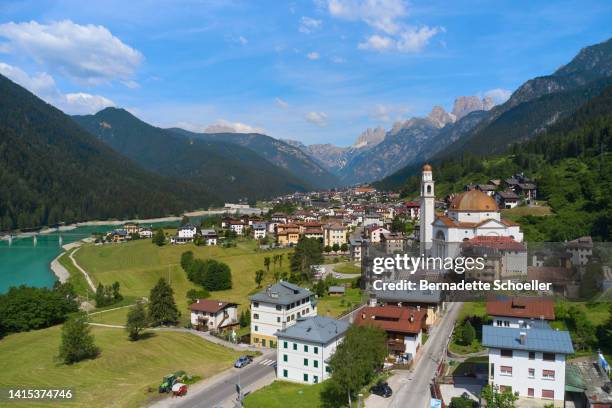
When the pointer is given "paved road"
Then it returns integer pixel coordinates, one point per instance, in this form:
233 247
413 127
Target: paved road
220 391
411 388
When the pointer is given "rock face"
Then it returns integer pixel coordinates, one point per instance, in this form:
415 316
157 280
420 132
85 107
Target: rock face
439 117
468 104
370 137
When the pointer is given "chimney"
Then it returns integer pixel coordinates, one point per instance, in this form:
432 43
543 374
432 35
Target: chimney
197 300
418 307
411 317
523 337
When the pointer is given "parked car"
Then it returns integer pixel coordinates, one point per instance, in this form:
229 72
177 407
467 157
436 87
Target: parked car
243 361
382 389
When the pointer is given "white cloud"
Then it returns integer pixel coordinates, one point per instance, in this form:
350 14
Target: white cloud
88 53
379 14
498 95
282 103
317 118
224 126
308 25
242 40
43 85
377 43
387 113
416 39
313 55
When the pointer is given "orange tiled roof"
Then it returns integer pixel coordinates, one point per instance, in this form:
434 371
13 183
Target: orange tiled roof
530 308
393 318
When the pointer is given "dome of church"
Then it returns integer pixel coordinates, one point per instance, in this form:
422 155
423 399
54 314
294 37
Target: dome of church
427 167
473 200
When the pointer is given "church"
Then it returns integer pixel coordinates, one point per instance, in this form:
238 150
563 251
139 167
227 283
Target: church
470 214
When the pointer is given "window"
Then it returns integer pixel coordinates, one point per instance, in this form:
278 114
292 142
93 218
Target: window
256 316
530 392
285 358
492 372
315 379
256 328
315 363
285 344
548 356
305 362
295 346
263 342
316 350
285 373
548 394
505 370
506 323
532 355
548 374
531 372
305 377
305 348
279 307
506 353
504 388
327 369
255 304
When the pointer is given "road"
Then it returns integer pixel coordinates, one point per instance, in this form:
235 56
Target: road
220 391
411 388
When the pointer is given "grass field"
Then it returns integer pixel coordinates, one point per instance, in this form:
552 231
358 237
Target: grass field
333 306
114 317
347 267
77 279
281 394
518 212
120 376
138 265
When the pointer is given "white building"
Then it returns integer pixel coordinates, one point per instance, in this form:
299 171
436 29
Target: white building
185 233
259 230
210 236
471 213
213 315
528 361
305 348
145 233
237 226
276 308
375 233
334 234
581 250
520 312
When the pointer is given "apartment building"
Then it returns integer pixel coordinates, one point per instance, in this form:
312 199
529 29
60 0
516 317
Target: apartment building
520 312
305 348
528 361
334 234
276 308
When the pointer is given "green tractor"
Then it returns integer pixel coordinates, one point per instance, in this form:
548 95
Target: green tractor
167 383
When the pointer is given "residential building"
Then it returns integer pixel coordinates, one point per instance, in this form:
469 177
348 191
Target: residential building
213 315
305 348
355 248
185 233
581 250
519 312
507 199
428 300
277 307
237 226
375 232
404 327
334 234
131 227
287 234
488 189
259 230
504 257
412 209
393 242
528 361
210 236
145 233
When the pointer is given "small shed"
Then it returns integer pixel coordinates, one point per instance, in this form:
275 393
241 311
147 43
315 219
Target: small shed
336 290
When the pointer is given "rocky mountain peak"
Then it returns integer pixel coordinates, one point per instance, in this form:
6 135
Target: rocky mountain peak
370 137
439 117
468 104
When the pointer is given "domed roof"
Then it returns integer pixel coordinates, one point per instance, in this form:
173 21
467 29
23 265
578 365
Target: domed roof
473 200
427 167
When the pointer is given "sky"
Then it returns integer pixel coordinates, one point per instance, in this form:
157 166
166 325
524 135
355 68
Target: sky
317 71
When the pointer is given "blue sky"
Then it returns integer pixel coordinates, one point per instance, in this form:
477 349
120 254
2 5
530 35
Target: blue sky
317 71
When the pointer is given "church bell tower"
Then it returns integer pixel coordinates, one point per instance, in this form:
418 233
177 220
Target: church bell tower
426 212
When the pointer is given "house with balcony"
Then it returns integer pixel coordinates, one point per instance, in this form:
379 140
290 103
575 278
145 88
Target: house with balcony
213 315
305 348
276 308
519 312
404 328
529 361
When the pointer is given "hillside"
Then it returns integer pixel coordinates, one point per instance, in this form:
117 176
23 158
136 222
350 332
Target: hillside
275 151
228 169
571 162
535 106
51 170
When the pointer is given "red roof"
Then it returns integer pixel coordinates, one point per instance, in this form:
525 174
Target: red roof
209 306
394 319
412 204
530 308
499 243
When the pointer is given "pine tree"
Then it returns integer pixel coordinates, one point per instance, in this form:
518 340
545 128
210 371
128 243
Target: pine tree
136 321
162 308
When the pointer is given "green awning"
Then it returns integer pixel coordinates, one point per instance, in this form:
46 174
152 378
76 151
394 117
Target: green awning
573 379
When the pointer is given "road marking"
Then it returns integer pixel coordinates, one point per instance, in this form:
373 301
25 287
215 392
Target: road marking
267 362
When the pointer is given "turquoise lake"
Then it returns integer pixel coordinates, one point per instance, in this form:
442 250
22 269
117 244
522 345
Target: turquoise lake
23 263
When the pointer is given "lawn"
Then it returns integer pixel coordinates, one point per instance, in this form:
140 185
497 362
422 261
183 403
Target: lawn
125 374
334 306
114 317
138 265
468 309
281 394
77 279
347 268
517 212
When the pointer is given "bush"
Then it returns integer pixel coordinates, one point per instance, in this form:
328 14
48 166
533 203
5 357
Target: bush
468 333
212 275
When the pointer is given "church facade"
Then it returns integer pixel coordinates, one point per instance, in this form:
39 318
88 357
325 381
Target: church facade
470 214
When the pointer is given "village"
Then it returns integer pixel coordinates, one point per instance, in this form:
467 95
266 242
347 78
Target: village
518 347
